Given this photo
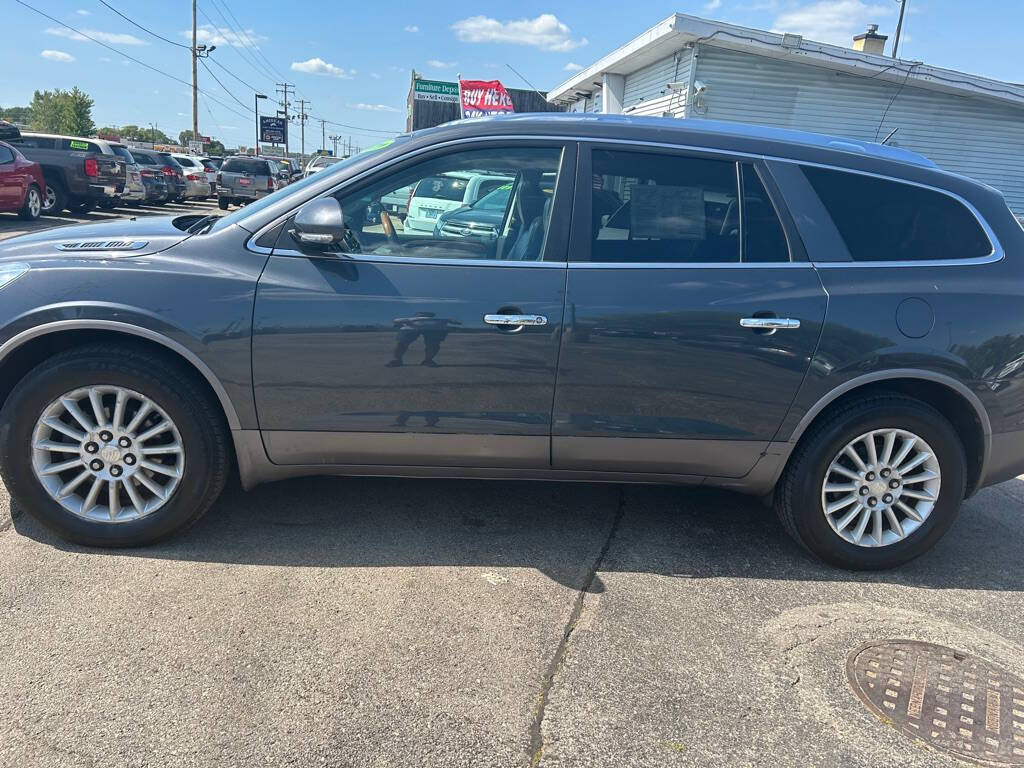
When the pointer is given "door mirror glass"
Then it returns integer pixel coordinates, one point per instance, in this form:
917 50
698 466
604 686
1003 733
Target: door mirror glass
319 222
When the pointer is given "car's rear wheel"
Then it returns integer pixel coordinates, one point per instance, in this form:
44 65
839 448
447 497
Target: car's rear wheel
874 484
112 448
222 203
33 205
55 199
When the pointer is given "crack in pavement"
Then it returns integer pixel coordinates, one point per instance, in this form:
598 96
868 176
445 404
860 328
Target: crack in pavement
536 727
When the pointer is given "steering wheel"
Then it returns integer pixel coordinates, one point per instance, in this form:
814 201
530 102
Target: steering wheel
389 228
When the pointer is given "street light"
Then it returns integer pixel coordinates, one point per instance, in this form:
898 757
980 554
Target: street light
256 101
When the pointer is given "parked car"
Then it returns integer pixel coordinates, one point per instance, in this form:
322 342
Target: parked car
244 179
446 192
21 184
134 190
830 324
216 162
177 186
211 169
79 172
480 219
197 186
152 174
319 163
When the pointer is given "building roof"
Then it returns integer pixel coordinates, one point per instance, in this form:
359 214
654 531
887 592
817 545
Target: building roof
679 30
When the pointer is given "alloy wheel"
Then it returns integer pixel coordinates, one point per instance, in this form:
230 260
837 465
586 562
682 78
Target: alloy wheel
881 487
35 203
107 454
50 200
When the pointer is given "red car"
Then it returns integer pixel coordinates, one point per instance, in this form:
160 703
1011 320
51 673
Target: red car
21 184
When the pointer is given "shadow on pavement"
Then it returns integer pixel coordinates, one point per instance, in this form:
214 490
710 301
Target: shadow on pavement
558 529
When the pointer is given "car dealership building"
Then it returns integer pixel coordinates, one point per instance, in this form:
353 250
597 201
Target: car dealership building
692 68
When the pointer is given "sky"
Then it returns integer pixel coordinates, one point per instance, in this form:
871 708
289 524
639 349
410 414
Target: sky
352 60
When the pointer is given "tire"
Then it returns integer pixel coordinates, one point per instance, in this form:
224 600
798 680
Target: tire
800 495
33 207
176 392
55 199
81 206
222 203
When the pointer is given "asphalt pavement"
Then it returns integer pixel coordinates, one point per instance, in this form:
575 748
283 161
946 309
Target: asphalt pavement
385 622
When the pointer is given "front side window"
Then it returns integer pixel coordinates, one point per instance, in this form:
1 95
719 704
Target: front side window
887 220
652 207
473 204
6 156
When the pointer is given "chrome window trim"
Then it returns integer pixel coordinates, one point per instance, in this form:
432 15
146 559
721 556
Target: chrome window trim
690 265
363 258
997 253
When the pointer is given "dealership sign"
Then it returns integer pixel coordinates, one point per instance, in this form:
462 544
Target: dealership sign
435 90
273 130
484 97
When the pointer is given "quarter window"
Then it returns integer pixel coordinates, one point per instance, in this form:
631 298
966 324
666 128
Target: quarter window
885 220
663 208
763 237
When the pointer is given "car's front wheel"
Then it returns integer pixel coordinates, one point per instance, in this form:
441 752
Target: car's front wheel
112 447
875 484
33 205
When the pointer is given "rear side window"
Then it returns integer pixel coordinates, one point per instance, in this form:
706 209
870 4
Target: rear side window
39 142
6 156
663 208
246 165
79 145
443 188
885 220
123 153
143 158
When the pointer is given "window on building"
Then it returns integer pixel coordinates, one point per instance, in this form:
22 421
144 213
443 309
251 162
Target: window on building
650 207
886 220
763 237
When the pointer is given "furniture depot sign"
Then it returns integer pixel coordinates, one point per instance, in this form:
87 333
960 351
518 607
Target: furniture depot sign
435 90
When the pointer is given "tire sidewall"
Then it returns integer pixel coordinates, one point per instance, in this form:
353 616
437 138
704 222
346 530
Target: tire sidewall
826 445
17 424
26 210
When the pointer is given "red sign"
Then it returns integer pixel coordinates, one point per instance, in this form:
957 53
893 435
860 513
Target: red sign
484 97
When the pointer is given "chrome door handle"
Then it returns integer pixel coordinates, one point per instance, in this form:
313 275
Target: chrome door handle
770 323
515 320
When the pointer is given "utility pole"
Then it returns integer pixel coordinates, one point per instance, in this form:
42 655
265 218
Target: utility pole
899 28
283 89
323 133
195 79
302 123
335 140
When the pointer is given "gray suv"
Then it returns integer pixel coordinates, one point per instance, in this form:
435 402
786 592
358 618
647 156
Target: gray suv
244 179
829 324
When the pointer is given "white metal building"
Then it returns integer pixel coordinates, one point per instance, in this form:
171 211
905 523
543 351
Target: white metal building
688 67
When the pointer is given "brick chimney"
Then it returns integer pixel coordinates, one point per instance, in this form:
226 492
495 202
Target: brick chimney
870 41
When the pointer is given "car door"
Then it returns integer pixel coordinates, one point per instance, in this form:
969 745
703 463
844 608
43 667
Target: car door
679 261
396 348
11 180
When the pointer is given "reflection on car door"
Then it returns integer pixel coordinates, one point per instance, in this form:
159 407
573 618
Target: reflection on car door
395 349
659 370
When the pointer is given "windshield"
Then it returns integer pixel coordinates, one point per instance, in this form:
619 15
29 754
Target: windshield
494 201
297 188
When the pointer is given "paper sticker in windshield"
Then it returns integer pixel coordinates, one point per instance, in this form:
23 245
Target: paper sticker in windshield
667 212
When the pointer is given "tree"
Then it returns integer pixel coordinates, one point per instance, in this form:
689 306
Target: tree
60 111
137 133
19 115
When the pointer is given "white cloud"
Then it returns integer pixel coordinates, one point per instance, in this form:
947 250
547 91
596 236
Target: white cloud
57 56
317 66
83 12
106 59
545 31
712 6
572 66
438 64
207 34
374 107
411 28
113 38
376 75
832 21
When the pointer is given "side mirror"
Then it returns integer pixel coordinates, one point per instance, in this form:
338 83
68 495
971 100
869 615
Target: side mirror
320 222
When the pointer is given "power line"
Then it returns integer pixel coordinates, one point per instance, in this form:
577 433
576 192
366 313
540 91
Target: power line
144 29
240 48
242 42
229 93
255 47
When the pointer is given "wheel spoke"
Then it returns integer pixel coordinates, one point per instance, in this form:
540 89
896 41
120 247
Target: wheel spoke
119 404
94 493
876 525
905 449
76 413
887 446
162 469
834 488
869 443
68 487
133 494
140 416
65 429
922 476
915 462
160 428
843 503
161 449
153 487
855 458
96 401
894 521
50 445
64 466
113 499
909 511
840 469
915 494
849 517
858 533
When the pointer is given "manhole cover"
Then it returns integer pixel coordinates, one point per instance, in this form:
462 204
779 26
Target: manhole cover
951 701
